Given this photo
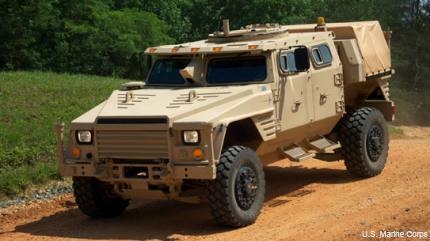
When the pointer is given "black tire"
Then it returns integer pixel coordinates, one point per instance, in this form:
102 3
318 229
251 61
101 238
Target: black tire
93 200
364 140
236 196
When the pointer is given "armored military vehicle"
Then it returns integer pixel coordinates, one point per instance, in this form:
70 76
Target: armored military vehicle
213 112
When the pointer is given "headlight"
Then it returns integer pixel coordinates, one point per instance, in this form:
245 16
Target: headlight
84 137
191 137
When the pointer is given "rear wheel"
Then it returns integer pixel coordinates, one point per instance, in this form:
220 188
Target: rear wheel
94 199
236 196
364 140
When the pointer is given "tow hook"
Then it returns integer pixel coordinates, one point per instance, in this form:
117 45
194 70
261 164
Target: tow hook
167 171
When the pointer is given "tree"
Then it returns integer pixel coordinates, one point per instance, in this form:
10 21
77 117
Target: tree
105 42
26 28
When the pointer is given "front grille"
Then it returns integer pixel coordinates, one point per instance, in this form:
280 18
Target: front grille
132 144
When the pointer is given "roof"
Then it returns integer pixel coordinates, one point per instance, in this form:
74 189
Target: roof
247 42
370 39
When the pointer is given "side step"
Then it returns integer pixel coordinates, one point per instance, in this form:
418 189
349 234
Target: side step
323 144
296 154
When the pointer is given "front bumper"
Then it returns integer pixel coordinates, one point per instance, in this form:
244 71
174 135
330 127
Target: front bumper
137 154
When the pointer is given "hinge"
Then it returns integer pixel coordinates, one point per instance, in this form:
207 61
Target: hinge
275 95
278 125
340 106
338 79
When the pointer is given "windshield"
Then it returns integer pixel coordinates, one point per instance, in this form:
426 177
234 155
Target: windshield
237 69
166 71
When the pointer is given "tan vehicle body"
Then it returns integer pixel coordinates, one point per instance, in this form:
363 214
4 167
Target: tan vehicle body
289 114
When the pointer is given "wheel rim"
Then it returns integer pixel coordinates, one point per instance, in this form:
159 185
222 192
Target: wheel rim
375 143
246 187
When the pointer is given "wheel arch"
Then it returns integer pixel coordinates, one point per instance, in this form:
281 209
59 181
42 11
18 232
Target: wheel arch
249 131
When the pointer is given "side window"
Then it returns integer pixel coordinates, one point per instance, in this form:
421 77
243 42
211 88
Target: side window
317 56
284 63
322 55
288 62
292 62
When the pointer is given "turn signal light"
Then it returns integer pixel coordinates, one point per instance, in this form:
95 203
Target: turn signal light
76 152
198 154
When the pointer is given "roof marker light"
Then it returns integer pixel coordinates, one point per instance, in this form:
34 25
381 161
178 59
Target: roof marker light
152 50
195 49
217 49
175 50
253 47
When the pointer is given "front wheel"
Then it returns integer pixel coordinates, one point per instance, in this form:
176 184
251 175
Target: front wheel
364 140
236 196
94 199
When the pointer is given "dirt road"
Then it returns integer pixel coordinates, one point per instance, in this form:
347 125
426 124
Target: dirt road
304 201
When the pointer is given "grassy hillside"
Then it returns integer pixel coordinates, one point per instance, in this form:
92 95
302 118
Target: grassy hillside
30 104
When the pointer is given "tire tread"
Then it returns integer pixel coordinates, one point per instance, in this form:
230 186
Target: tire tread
93 202
352 128
217 190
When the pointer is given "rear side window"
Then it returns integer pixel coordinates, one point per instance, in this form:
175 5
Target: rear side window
322 54
288 62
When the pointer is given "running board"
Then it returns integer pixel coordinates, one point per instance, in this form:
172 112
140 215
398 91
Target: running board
296 154
323 144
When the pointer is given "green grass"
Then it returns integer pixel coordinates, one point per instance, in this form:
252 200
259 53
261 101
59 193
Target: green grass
395 130
30 104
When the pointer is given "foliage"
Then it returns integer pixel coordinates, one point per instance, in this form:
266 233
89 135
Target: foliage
31 103
206 16
89 37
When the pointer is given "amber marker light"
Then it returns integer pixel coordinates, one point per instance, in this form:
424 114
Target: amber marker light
217 49
76 152
198 154
194 49
175 50
253 47
152 50
321 20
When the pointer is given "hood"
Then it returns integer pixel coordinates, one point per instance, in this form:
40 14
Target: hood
206 104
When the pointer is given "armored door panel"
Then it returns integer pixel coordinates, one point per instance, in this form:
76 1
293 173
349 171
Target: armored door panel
327 83
295 105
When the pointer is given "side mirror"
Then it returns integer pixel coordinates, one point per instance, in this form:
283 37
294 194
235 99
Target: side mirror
302 59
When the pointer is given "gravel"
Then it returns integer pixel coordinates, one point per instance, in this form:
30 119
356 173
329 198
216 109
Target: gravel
43 195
